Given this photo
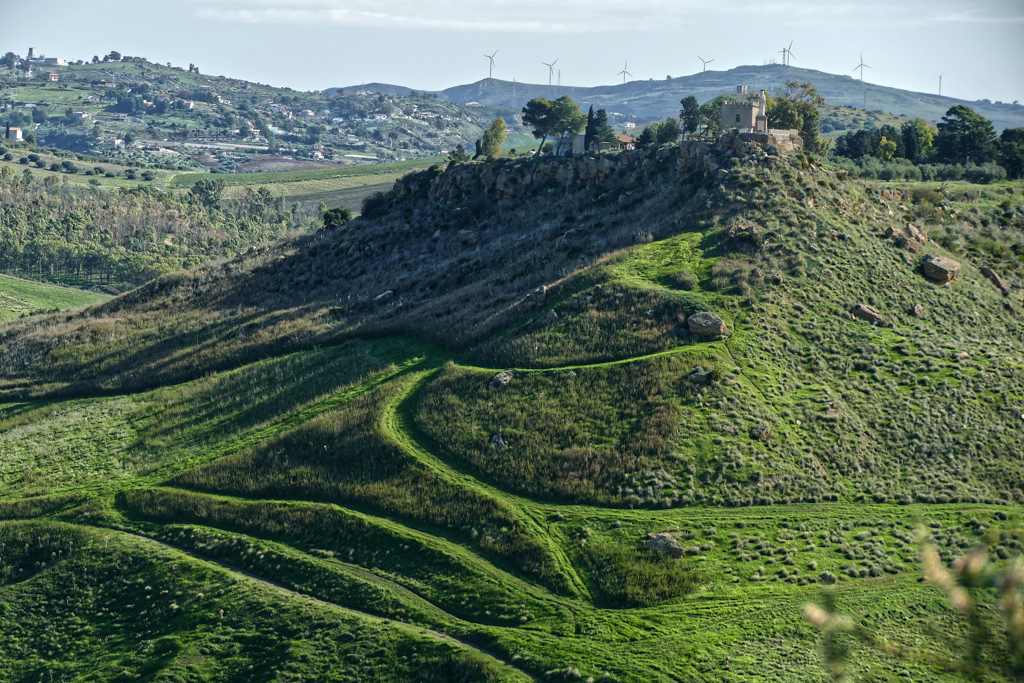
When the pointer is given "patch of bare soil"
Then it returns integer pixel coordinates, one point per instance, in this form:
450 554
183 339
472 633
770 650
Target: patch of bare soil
276 164
206 160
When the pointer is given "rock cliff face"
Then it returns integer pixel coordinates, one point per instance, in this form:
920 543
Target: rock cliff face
503 179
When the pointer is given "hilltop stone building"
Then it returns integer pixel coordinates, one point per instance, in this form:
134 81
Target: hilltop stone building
748 116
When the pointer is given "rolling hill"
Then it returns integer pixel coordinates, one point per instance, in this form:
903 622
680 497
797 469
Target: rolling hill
615 417
653 100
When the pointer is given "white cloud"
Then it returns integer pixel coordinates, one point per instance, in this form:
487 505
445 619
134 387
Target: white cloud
598 16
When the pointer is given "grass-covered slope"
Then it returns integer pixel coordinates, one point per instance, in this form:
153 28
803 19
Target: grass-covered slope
325 417
22 297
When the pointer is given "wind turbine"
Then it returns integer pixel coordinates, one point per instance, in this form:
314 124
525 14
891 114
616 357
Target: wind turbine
861 66
705 61
624 73
787 52
551 70
940 81
490 71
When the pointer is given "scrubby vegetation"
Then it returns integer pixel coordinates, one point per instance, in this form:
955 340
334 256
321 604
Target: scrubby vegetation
330 415
347 456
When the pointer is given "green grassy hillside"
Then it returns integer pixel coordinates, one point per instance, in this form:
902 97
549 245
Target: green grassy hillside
21 297
318 439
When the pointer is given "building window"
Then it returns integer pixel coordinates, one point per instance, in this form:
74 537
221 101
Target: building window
737 118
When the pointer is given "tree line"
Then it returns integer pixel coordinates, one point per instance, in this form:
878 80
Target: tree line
56 231
962 138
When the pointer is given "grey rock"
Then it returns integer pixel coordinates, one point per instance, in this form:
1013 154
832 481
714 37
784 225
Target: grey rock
707 325
548 318
500 380
698 376
918 311
941 269
994 278
909 237
664 542
385 296
761 431
867 313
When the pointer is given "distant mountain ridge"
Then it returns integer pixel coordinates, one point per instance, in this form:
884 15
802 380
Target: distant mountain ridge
658 99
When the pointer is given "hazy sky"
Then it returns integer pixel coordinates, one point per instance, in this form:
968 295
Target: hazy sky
316 44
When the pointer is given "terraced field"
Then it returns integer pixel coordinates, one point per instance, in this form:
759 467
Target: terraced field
373 507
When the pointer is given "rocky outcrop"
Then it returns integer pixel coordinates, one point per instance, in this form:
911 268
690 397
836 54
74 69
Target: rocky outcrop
911 237
918 311
941 269
503 179
500 380
867 313
707 325
761 431
994 278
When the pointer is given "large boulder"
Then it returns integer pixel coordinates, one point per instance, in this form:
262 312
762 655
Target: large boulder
707 325
867 313
665 542
761 431
941 269
500 380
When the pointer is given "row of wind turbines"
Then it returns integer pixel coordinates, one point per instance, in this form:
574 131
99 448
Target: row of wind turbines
786 52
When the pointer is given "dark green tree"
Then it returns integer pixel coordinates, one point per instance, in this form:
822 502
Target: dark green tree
918 139
1011 152
458 155
494 138
589 132
669 131
796 107
602 131
337 217
965 136
561 118
208 192
648 136
690 114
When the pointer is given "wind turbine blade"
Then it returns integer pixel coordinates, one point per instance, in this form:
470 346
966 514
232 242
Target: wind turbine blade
710 60
554 62
790 45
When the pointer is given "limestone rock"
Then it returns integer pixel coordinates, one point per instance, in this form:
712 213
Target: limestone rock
386 296
707 325
761 431
833 414
941 269
910 237
867 313
498 441
500 380
918 311
664 542
993 276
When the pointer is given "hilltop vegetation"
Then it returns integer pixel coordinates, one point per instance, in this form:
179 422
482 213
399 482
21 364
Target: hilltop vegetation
330 415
